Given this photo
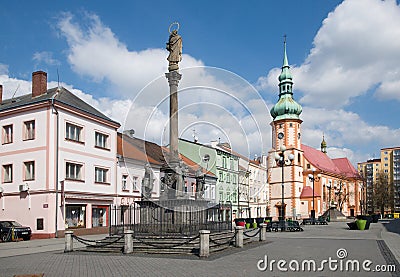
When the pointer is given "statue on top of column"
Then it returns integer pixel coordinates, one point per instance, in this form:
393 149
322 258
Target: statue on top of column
174 46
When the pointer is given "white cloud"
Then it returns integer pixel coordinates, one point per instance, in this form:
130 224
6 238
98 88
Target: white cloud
355 49
96 52
12 86
45 57
206 94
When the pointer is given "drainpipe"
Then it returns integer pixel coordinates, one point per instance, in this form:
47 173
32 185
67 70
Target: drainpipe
56 165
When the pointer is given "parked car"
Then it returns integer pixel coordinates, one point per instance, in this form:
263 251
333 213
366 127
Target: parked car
20 231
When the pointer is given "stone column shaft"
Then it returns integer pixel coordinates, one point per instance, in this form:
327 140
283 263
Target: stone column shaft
173 80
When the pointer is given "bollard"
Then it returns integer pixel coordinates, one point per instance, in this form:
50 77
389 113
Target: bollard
128 238
239 236
263 232
69 243
204 243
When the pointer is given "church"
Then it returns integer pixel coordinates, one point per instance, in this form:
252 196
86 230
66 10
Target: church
305 182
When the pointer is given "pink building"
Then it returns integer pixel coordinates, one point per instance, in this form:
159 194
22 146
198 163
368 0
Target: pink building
57 158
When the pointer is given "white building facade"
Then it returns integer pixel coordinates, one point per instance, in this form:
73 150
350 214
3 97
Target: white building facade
58 157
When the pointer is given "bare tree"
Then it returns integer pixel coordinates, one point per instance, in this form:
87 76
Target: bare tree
341 195
383 196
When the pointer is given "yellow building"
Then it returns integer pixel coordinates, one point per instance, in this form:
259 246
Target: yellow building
369 172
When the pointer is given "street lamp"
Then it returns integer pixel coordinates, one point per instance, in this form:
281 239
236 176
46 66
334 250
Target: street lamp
281 161
329 186
363 197
313 179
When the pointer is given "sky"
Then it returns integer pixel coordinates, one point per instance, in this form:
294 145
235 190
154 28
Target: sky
343 55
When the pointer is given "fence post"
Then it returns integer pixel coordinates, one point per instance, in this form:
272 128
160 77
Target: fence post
239 236
263 232
69 243
128 238
204 243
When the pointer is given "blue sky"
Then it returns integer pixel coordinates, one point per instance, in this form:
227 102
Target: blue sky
344 58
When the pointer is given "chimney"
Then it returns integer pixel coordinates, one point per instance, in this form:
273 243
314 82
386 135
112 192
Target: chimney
1 94
39 83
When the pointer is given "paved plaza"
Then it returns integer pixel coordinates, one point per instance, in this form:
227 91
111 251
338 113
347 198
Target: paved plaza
316 243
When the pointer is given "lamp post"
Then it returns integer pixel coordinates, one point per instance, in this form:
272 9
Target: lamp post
329 186
313 179
363 197
281 161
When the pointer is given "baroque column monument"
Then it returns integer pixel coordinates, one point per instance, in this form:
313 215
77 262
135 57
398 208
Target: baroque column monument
175 170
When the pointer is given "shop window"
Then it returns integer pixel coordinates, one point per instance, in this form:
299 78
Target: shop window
75 216
99 216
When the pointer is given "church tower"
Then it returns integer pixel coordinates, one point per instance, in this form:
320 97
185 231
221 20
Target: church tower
286 134
323 144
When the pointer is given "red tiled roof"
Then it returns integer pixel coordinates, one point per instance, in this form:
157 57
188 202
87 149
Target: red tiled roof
126 147
319 160
308 192
346 168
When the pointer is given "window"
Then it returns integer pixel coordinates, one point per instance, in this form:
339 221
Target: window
228 178
291 125
101 175
224 162
29 130
73 132
75 216
99 216
193 189
234 197
29 170
7 173
221 177
7 134
73 171
101 140
135 182
124 182
221 195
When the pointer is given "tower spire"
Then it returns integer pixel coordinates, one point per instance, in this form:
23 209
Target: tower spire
286 106
323 144
285 59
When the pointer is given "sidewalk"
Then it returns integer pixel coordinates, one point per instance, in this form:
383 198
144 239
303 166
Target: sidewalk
316 242
10 249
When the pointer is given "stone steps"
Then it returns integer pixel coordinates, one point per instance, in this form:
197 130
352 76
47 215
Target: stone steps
167 245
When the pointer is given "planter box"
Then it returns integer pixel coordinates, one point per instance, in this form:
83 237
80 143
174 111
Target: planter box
361 224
